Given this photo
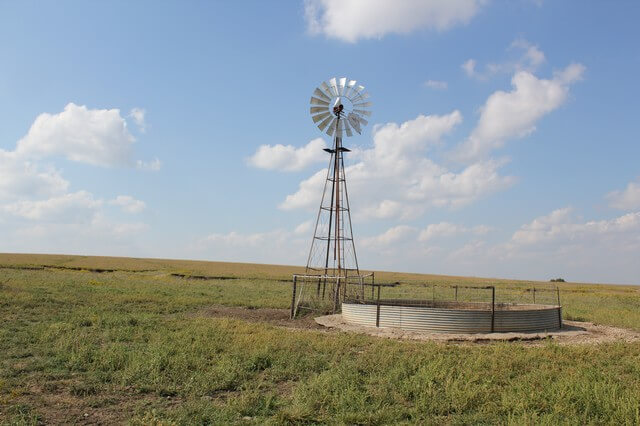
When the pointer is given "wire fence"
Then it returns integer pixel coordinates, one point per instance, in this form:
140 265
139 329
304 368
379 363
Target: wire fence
324 294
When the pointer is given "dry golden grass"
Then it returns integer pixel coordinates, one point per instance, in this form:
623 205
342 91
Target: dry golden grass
250 270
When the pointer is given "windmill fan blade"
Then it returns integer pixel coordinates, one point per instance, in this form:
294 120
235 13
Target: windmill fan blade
341 85
332 127
353 119
349 91
325 123
339 127
347 128
333 85
363 105
362 112
319 93
315 110
320 116
326 89
362 120
316 101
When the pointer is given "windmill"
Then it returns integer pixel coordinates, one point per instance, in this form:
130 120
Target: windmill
338 107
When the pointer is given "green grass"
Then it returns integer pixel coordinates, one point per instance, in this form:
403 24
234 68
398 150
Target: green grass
132 347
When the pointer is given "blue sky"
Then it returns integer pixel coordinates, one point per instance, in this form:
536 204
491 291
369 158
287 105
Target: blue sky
503 141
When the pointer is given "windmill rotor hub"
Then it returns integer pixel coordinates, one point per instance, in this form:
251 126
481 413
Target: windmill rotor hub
339 98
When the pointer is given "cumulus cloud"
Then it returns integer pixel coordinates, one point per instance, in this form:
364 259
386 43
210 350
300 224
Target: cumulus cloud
396 178
447 229
469 67
153 165
287 157
95 136
275 246
22 178
528 58
75 207
36 207
304 228
128 204
436 84
352 20
390 236
442 229
559 227
627 199
511 115
138 115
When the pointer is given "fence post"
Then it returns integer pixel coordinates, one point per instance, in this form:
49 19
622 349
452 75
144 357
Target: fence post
336 295
456 293
433 293
534 295
293 297
378 309
559 307
493 307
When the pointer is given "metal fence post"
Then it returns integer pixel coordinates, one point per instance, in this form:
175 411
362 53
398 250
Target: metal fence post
456 293
493 308
293 297
378 309
336 295
534 295
559 307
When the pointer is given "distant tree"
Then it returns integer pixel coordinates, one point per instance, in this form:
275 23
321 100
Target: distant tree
557 280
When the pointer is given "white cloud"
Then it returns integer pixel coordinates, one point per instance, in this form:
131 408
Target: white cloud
447 229
436 84
153 165
279 246
37 211
390 236
532 57
138 117
559 228
627 199
442 229
304 228
395 178
469 67
22 178
351 20
99 137
509 115
76 207
287 157
529 58
128 204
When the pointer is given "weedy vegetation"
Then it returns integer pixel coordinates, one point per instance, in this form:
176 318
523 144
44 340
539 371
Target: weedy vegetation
114 340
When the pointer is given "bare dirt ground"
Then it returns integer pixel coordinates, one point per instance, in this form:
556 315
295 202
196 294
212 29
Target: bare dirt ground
572 333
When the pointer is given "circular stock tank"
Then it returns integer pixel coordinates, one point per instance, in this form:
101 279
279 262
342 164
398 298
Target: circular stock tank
453 317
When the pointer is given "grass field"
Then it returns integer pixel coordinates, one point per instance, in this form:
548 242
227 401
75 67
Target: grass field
114 340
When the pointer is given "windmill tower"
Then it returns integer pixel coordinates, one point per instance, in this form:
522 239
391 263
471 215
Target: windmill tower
338 107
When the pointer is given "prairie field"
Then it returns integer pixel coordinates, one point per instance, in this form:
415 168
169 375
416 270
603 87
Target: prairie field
151 341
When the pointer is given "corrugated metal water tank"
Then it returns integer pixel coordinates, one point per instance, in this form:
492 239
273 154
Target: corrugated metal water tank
525 318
